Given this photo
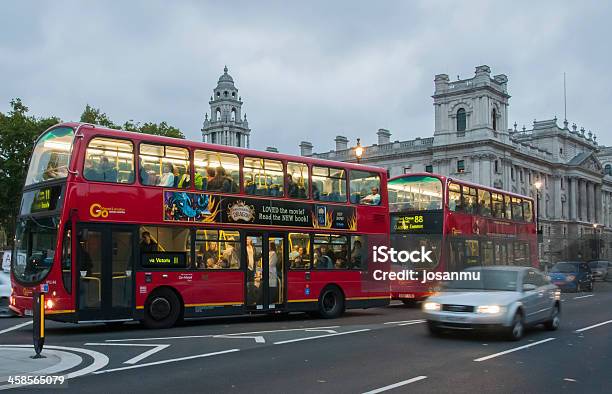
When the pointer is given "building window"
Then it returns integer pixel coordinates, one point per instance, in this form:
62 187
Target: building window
213 138
608 169
429 168
461 119
233 115
460 165
521 175
218 114
494 116
512 172
407 170
497 166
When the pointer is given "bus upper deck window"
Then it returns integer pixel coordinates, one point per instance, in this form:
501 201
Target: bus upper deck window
216 171
51 156
109 160
166 166
328 184
365 187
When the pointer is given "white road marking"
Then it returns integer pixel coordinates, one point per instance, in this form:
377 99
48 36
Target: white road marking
212 335
513 350
584 296
142 356
320 330
594 326
398 384
320 336
172 360
17 327
404 321
412 322
257 338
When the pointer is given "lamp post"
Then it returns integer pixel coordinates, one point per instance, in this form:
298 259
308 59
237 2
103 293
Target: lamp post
538 185
359 150
596 239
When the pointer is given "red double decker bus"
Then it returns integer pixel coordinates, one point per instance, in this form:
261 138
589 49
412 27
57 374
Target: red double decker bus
124 226
461 223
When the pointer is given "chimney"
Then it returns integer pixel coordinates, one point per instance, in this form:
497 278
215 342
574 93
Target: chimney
483 73
384 136
341 143
305 148
271 149
441 82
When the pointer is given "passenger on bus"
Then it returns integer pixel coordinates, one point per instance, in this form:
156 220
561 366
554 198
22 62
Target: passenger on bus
294 253
231 255
107 170
177 175
316 194
323 259
371 199
147 244
90 171
292 189
356 255
167 178
142 172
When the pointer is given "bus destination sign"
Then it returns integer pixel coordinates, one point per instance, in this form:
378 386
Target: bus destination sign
417 223
163 260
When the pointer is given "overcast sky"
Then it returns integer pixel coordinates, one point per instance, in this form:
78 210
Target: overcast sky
305 70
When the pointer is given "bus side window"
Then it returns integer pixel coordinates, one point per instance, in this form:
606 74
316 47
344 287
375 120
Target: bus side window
109 160
454 197
484 202
508 207
67 259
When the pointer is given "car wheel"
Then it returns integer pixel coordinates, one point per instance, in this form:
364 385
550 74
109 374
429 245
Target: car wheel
515 332
331 303
555 319
433 329
162 309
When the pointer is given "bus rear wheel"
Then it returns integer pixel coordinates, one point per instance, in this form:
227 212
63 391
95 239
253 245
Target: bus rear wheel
162 309
331 303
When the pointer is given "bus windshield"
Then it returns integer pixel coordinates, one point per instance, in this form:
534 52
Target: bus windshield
35 241
415 193
51 156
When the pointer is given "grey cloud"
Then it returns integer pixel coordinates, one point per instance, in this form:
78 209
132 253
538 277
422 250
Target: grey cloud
305 70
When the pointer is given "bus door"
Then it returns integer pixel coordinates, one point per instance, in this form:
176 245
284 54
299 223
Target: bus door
105 271
265 271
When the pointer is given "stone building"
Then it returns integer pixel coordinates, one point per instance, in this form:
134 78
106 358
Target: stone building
226 125
473 141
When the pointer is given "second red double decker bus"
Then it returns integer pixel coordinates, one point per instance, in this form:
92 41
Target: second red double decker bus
461 223
124 226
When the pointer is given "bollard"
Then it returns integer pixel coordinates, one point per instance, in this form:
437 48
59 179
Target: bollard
38 314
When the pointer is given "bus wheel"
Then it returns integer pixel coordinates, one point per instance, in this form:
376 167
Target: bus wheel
162 309
409 302
331 303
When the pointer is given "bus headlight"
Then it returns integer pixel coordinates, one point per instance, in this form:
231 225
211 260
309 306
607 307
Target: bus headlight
490 309
431 306
49 304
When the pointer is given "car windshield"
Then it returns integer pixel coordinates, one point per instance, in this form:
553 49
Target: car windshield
51 156
564 268
34 248
497 280
598 264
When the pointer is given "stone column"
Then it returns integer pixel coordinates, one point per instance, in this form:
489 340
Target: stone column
590 202
598 204
573 195
557 197
582 195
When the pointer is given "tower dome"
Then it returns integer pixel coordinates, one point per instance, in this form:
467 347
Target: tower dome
226 78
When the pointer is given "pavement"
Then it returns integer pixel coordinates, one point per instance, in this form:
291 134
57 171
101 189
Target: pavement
365 351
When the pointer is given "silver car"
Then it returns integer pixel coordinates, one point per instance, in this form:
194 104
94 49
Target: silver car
601 269
505 298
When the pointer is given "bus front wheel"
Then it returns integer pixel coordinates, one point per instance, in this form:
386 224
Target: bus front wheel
162 309
331 303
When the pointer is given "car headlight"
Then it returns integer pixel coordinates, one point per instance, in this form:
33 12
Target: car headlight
570 278
490 309
431 306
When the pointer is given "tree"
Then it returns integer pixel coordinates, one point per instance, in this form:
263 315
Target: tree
96 116
18 131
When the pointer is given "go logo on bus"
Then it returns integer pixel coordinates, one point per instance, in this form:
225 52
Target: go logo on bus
98 211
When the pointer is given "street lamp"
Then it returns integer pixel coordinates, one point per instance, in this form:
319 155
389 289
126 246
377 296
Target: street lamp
538 185
359 150
596 236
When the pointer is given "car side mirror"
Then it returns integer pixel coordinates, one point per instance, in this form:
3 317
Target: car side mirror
529 287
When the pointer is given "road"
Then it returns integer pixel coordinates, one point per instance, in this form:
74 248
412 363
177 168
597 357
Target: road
376 350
